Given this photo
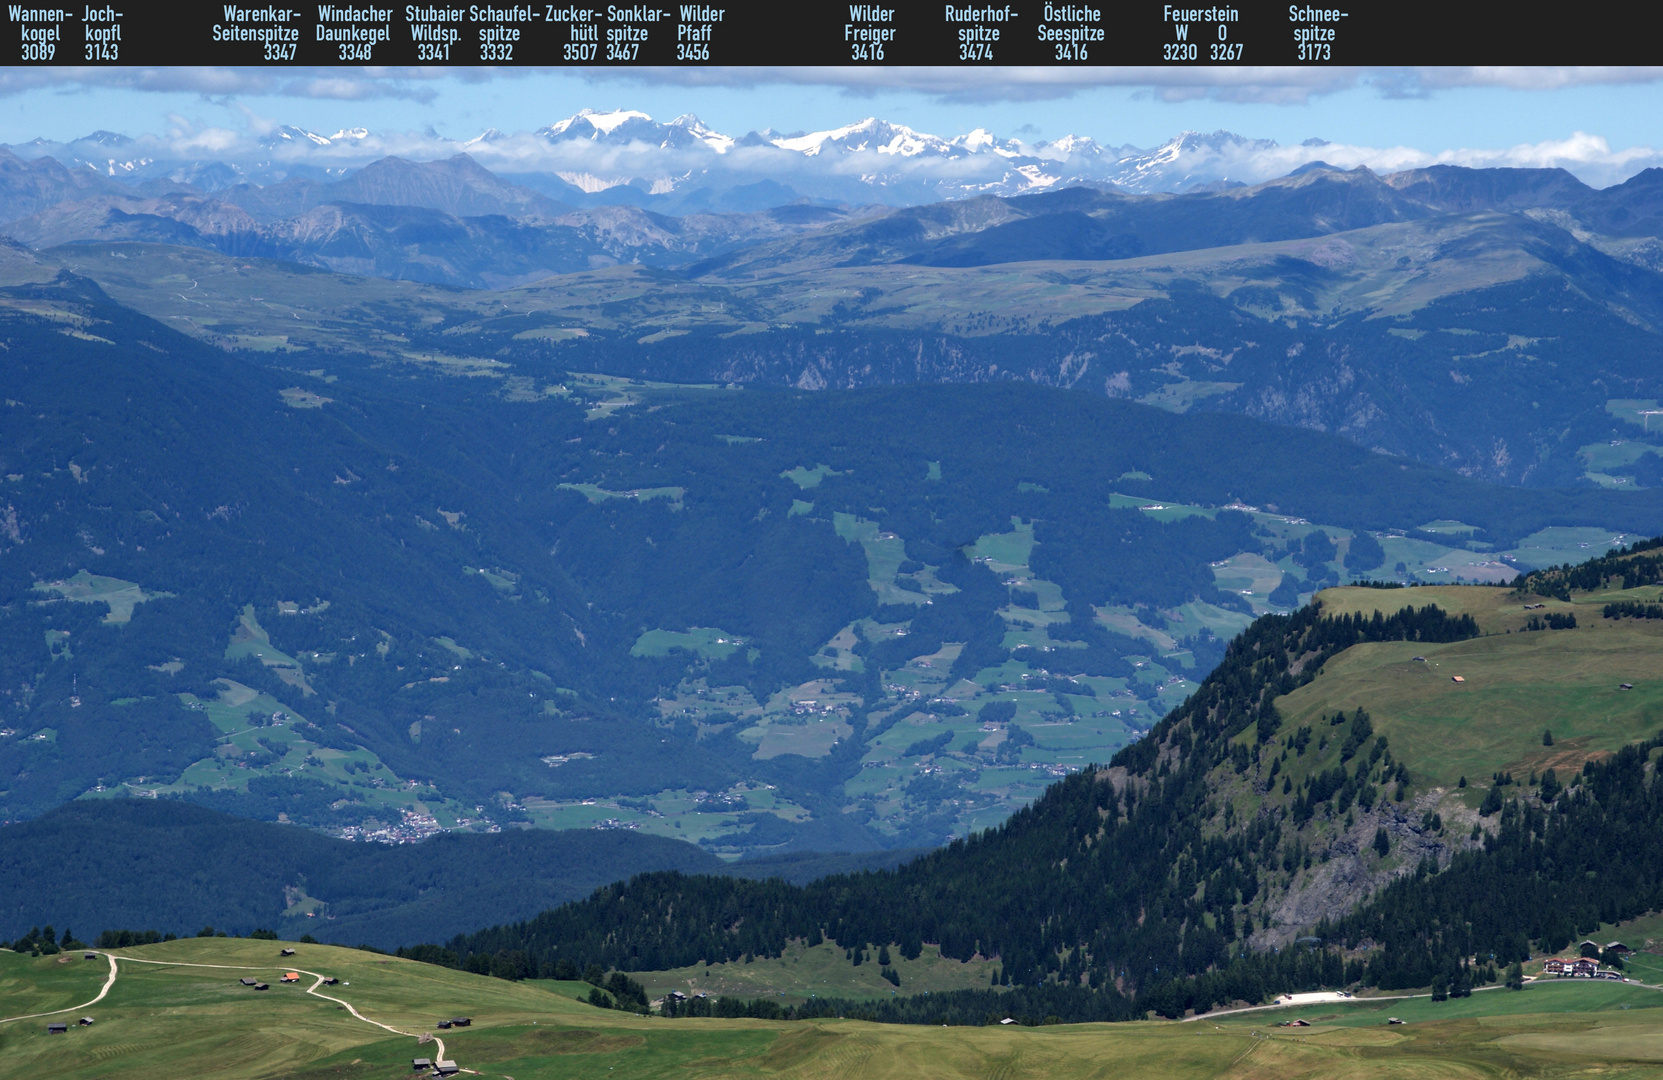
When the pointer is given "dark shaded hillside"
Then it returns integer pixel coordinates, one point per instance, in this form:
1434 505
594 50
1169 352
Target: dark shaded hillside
197 480
991 439
1081 224
30 186
450 579
1502 371
141 864
1458 190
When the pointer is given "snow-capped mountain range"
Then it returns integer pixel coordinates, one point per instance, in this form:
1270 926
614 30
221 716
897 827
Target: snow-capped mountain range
624 156
627 156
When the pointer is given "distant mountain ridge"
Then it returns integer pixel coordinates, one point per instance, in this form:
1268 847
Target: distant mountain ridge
455 222
624 155
683 164
1370 287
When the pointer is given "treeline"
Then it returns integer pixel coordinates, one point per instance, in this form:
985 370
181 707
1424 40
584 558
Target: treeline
1631 609
1623 568
1245 977
1105 881
39 942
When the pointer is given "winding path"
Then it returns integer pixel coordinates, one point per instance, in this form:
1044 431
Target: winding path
312 990
108 982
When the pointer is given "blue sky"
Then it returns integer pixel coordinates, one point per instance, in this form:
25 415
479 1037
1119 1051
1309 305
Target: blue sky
1433 111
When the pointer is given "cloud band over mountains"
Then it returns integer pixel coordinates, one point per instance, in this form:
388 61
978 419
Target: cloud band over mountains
868 161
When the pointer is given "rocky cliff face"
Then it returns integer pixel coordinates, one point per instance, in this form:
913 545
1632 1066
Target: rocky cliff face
1348 870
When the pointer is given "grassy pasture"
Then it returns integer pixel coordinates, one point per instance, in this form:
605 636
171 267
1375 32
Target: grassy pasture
1181 396
1646 931
119 596
1251 575
240 739
1640 412
1644 934
1007 550
1603 457
251 639
1565 544
1223 622
169 1021
597 494
708 642
1555 997
812 739
805 477
297 398
885 552
1159 509
1517 684
680 814
31 985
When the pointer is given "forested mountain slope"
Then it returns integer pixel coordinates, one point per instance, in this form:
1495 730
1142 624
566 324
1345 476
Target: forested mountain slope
162 865
1253 815
446 593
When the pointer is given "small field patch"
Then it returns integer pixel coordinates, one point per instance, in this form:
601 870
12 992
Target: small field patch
711 643
597 494
296 398
806 478
121 597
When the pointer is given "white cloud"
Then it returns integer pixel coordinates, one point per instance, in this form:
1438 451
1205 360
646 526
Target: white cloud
1274 85
860 162
354 84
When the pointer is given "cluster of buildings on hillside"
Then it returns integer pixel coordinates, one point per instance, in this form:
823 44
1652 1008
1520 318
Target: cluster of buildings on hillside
414 828
1587 967
1583 967
819 708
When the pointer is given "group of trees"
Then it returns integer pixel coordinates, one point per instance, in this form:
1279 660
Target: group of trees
45 942
1564 860
1561 864
1100 887
1627 568
1631 609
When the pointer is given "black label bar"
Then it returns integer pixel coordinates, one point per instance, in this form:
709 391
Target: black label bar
813 32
